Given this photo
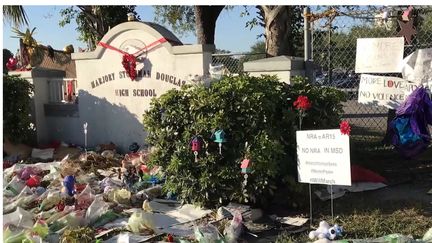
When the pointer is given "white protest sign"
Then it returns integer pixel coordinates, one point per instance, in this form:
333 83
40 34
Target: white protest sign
323 157
379 55
418 67
385 91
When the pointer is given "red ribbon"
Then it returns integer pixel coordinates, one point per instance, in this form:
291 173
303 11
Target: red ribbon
129 60
147 48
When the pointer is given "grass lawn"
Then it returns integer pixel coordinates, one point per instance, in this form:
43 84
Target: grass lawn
405 219
403 207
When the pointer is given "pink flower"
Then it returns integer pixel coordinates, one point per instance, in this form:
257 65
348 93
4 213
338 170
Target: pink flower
345 127
302 103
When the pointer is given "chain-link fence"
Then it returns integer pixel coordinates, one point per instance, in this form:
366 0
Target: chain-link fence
334 38
233 62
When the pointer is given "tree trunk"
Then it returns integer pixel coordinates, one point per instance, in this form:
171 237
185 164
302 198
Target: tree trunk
278 30
205 20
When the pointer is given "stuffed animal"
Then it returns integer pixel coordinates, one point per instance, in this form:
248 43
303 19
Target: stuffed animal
335 231
69 186
324 231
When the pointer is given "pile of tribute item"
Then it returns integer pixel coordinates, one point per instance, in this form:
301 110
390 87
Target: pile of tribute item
409 130
102 197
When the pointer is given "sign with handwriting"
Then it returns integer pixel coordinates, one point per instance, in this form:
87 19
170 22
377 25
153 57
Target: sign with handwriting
323 157
379 55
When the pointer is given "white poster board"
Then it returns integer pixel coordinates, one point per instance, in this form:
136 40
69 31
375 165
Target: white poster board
385 91
379 55
418 67
323 157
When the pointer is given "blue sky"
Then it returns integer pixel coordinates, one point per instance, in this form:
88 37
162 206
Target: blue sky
231 33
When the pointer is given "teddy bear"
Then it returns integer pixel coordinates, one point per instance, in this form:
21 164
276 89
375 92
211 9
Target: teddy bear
335 231
324 231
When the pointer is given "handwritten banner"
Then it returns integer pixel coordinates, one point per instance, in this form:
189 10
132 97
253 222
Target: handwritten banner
379 55
385 91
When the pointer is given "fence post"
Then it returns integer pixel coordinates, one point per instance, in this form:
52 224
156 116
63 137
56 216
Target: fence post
329 55
307 46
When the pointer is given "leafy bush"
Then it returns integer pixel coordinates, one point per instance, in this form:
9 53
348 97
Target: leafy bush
17 124
256 110
327 108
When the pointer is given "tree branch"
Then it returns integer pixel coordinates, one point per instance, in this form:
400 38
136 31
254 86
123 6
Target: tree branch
88 11
265 8
274 13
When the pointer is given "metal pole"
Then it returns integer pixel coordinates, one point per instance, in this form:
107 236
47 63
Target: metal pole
85 138
307 35
310 205
307 45
331 198
330 79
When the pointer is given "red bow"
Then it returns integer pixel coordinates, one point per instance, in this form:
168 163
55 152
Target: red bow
129 64
129 60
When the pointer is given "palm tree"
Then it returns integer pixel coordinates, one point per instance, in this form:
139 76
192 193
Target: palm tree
15 14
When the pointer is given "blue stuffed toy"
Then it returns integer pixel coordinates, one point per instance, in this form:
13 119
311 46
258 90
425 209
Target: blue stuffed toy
69 185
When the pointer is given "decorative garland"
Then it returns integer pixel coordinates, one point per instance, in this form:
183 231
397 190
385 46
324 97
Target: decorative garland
129 60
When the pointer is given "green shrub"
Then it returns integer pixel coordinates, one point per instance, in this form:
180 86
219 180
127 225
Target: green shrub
326 111
256 110
17 124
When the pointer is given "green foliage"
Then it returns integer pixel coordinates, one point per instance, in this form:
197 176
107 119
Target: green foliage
327 108
424 28
94 21
256 110
257 51
248 109
84 234
15 14
17 124
258 48
285 237
343 45
180 18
